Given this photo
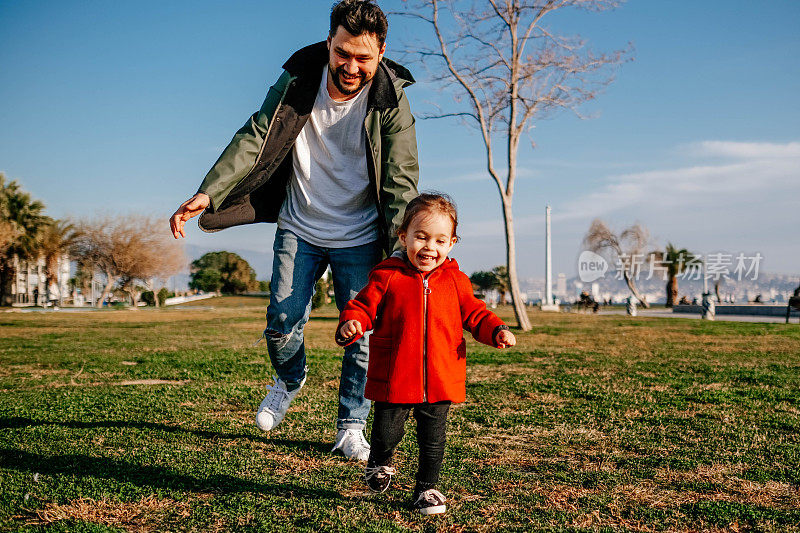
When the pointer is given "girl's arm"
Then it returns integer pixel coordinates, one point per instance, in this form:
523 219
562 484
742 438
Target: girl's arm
484 325
364 307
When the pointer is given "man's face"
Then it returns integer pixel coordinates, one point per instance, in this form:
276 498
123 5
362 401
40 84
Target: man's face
352 62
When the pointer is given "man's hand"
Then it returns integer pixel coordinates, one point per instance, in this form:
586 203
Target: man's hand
505 339
188 209
350 329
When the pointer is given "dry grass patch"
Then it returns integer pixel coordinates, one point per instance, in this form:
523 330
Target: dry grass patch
772 494
145 515
481 373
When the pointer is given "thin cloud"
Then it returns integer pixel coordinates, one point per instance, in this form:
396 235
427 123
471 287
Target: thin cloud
761 168
747 150
469 177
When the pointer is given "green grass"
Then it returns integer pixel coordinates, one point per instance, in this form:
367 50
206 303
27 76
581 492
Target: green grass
142 421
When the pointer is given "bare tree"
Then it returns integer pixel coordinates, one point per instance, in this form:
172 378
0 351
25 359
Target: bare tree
128 250
626 250
512 71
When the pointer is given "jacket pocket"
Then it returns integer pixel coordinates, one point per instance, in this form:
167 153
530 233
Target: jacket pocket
459 365
380 357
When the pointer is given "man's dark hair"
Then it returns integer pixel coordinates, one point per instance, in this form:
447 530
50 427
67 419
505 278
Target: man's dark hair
359 16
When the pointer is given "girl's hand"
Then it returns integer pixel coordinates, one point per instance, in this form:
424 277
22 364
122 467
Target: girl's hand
350 329
505 339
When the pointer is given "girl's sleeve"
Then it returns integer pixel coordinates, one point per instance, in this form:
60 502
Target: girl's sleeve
476 318
364 307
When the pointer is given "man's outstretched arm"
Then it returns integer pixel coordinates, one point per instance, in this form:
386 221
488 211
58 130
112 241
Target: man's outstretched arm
188 209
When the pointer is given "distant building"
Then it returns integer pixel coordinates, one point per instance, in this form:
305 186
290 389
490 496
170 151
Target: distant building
30 285
561 286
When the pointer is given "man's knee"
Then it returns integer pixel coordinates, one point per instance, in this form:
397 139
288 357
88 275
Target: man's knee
358 352
276 340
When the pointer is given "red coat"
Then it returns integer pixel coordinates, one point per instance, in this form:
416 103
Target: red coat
415 358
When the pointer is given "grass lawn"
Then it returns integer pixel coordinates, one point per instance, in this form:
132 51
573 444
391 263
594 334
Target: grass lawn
143 421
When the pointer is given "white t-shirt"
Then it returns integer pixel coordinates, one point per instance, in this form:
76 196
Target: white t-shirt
328 202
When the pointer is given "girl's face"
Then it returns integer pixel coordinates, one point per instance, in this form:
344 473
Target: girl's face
428 240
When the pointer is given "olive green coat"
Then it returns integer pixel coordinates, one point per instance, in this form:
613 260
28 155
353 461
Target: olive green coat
248 182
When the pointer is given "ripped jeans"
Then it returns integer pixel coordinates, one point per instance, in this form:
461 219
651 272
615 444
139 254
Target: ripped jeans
296 267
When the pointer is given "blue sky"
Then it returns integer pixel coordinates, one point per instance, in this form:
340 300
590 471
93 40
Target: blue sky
111 107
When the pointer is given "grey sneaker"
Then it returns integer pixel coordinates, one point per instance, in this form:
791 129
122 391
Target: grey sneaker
352 444
430 501
378 477
273 408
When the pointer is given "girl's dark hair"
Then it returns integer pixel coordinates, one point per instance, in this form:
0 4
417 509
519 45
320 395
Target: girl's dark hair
432 202
359 16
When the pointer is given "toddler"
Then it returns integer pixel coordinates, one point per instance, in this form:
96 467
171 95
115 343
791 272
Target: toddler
417 304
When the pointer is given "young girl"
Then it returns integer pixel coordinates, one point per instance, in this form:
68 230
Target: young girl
417 304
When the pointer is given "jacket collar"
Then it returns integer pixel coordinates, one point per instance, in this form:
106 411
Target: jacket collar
306 63
399 261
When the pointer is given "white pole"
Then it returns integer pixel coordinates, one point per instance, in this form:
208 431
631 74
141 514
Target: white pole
548 275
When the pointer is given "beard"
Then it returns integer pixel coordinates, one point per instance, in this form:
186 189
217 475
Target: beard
336 76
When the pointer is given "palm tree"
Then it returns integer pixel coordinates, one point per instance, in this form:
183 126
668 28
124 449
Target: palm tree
502 282
676 260
483 281
23 222
56 240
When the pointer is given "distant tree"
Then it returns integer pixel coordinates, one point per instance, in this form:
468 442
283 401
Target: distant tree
484 281
508 69
626 250
22 221
321 290
162 296
83 276
502 282
235 274
206 280
156 299
56 242
129 250
263 286
8 234
674 260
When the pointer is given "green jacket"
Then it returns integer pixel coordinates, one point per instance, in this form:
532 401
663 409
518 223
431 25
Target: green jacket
248 182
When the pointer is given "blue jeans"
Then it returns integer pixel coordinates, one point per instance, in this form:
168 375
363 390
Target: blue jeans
296 267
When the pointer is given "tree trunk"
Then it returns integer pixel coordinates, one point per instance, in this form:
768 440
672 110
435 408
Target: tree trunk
106 290
634 290
716 290
134 294
60 287
511 263
6 277
151 284
672 291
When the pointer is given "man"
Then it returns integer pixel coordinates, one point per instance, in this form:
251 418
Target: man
331 156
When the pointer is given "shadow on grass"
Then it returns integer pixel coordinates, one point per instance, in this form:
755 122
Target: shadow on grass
306 445
148 476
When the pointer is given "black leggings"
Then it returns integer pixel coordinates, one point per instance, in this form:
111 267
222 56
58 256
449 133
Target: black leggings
388 428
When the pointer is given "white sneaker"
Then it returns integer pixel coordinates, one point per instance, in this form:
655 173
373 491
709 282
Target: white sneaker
352 444
273 408
430 502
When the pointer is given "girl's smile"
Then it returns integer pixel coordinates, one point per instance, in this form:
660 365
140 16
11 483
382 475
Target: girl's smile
428 241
